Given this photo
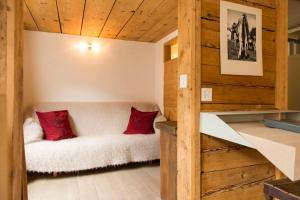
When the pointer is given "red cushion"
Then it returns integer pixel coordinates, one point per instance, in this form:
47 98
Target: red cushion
56 125
141 122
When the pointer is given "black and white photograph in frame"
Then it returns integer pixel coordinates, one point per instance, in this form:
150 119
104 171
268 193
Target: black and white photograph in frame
240 39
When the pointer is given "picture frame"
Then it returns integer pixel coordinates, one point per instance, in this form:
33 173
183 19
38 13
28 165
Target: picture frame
240 39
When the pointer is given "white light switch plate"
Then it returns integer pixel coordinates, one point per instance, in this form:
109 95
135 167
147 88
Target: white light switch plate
206 94
183 82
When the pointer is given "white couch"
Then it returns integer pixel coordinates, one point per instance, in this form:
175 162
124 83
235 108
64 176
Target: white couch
100 141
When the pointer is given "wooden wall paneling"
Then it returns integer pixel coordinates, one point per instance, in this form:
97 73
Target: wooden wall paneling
252 191
148 15
228 94
71 15
170 89
95 15
121 13
214 181
168 170
211 10
211 75
230 171
45 15
29 23
211 56
13 184
161 29
209 143
234 107
231 158
188 106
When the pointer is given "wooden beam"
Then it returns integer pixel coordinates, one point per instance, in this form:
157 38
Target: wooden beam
188 103
13 176
281 94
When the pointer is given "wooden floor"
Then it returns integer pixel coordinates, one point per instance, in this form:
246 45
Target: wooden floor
132 183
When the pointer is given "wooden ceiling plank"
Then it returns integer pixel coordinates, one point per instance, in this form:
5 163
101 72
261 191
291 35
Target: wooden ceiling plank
45 14
150 13
29 23
122 11
95 16
162 28
71 15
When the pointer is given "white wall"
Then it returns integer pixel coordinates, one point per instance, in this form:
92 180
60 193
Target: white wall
159 69
54 70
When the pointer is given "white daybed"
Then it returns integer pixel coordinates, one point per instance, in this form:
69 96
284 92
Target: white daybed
100 141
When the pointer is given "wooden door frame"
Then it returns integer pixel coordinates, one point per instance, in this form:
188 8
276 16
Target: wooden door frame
13 184
188 100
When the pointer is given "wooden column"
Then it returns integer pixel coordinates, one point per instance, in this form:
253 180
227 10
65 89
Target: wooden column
188 101
281 92
12 170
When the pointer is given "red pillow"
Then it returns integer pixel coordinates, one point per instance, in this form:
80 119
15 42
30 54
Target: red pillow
56 125
141 122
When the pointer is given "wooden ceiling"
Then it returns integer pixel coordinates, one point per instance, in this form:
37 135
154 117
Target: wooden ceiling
138 20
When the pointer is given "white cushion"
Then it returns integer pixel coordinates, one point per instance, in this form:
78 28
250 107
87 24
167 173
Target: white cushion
32 131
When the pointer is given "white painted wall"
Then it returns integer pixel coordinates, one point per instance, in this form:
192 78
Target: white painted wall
159 69
54 70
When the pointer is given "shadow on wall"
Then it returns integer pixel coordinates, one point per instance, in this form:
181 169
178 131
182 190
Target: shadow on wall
294 82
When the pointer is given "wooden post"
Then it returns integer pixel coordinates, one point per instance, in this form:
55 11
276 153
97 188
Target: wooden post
281 94
188 101
13 182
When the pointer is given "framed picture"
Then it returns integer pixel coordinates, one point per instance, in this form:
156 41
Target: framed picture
240 39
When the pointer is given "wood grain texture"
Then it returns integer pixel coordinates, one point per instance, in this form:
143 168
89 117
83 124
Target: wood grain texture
210 143
231 158
253 191
121 13
137 20
211 56
188 106
13 178
235 107
29 23
211 10
45 15
95 15
168 166
5 182
228 94
214 181
282 55
71 14
148 15
170 89
165 26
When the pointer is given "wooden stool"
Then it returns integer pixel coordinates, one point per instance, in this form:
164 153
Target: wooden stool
283 189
